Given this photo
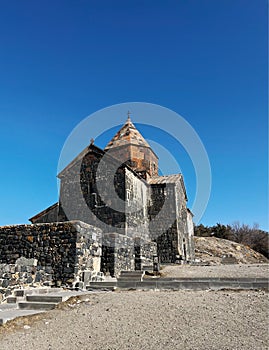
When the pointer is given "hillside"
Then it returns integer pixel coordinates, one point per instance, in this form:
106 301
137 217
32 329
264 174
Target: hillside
211 250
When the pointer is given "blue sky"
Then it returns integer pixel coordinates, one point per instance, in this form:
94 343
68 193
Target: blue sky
206 60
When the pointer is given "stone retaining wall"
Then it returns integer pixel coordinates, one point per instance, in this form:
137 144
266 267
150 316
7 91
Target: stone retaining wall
67 253
60 252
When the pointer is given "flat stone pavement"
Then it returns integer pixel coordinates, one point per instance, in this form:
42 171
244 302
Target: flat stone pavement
159 320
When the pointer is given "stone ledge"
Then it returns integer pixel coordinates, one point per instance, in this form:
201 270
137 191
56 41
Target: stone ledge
187 284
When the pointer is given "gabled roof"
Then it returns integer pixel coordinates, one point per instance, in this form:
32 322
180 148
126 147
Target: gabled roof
96 150
166 179
80 156
45 211
127 135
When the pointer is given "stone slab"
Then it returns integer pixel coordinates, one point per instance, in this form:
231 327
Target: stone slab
43 298
36 305
224 285
147 285
261 285
127 284
14 313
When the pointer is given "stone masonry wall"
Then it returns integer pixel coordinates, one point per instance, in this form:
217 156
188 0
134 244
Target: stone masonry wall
168 224
60 251
80 199
144 252
163 216
139 158
118 254
190 237
136 206
184 225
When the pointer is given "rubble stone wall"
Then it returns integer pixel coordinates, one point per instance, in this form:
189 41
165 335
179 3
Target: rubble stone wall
60 252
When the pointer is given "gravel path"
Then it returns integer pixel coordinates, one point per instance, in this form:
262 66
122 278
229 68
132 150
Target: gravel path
251 270
188 320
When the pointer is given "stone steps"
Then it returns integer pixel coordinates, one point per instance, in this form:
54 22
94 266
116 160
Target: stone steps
24 292
131 275
102 286
33 301
28 305
40 302
33 295
43 298
147 268
11 300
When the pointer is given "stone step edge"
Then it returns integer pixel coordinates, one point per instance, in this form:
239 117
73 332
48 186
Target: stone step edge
30 291
180 285
36 306
44 298
132 273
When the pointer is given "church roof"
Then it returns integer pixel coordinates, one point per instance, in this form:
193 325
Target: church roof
80 156
166 179
91 148
45 211
127 135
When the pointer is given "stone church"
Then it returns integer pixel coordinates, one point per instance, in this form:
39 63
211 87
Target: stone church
119 191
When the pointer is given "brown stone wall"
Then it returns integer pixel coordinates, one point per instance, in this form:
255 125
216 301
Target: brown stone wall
144 159
139 158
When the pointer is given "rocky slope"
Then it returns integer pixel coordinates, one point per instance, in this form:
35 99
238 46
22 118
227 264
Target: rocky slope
211 250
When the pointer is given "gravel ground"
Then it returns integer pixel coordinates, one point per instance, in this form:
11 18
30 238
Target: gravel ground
188 320
251 270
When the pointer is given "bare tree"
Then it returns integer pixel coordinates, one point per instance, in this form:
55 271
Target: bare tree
251 236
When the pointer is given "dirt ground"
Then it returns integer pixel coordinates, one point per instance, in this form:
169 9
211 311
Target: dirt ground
188 320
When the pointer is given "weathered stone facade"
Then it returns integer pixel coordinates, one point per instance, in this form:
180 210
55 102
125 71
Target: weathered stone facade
161 215
118 253
114 213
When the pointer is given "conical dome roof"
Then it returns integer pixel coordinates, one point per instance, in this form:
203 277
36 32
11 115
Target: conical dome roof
128 134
